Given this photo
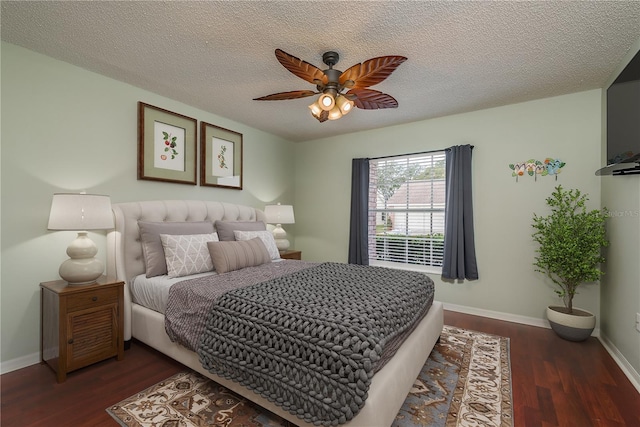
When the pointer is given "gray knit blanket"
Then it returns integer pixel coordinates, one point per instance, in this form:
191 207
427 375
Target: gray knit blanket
311 341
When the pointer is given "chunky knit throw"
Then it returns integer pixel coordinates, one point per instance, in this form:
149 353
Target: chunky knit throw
311 341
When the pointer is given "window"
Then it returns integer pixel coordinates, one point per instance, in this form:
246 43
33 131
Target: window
406 210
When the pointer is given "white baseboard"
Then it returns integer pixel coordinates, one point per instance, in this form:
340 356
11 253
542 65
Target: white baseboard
19 363
624 364
507 317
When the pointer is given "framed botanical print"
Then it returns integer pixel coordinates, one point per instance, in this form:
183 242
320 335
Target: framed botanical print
167 145
220 157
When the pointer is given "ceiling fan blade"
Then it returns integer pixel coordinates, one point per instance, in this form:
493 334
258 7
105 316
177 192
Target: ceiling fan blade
369 99
371 72
295 94
301 68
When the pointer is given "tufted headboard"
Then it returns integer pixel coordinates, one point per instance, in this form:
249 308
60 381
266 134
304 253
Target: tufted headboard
124 249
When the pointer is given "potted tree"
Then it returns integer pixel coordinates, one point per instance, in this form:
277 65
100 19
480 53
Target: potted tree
571 239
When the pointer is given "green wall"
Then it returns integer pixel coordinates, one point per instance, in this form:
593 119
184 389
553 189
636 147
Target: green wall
65 129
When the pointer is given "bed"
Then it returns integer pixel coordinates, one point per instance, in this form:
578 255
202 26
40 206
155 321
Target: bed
388 387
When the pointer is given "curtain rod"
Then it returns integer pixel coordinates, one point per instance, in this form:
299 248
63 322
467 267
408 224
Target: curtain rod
411 154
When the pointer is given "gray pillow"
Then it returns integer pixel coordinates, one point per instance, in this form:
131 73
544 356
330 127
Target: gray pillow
230 256
225 229
152 251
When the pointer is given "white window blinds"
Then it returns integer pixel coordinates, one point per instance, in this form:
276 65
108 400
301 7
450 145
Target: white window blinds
406 209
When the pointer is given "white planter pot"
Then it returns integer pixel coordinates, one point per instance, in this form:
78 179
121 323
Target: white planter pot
572 327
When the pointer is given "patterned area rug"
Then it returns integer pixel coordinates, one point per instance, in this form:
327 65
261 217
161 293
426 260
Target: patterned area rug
465 382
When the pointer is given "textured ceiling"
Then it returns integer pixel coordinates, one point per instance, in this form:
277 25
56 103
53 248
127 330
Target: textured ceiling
219 55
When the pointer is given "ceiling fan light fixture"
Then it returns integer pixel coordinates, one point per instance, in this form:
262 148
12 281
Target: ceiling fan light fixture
326 101
315 109
335 113
344 104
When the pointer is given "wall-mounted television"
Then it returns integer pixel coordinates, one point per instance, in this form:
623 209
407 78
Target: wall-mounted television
623 122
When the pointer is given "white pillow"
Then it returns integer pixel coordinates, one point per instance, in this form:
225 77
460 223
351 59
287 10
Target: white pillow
265 236
187 254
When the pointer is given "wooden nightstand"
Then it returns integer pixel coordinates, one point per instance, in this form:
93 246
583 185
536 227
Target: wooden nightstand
291 254
81 325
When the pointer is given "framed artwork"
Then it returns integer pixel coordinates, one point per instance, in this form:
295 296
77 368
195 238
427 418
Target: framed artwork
167 145
220 157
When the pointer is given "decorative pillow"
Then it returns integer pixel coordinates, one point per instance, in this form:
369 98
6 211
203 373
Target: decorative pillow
187 254
152 251
265 236
230 256
225 229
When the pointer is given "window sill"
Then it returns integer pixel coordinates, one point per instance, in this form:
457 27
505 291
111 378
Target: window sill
409 267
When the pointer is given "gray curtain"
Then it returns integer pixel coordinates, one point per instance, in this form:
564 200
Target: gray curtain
459 246
358 231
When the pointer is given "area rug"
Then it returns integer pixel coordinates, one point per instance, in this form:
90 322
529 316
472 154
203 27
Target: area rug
465 382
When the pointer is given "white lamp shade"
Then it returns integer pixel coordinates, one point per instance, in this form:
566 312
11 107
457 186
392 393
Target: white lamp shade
80 212
279 214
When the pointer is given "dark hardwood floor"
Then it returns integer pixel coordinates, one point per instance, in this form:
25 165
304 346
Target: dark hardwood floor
555 383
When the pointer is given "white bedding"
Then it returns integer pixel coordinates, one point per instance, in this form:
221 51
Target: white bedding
152 292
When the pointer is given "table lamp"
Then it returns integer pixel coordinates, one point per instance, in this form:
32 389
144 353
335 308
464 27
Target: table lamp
81 212
280 214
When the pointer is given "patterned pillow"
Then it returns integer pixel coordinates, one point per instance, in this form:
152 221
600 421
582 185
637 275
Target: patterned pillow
154 259
265 236
187 254
232 255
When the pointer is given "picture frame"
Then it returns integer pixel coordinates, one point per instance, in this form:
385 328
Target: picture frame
167 145
220 157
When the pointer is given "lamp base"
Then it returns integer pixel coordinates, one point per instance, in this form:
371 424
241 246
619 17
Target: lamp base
282 244
280 236
81 268
81 271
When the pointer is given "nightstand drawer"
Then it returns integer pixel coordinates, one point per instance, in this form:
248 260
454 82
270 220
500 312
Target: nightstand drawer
93 298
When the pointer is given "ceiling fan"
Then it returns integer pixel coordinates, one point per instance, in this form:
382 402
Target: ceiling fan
330 83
